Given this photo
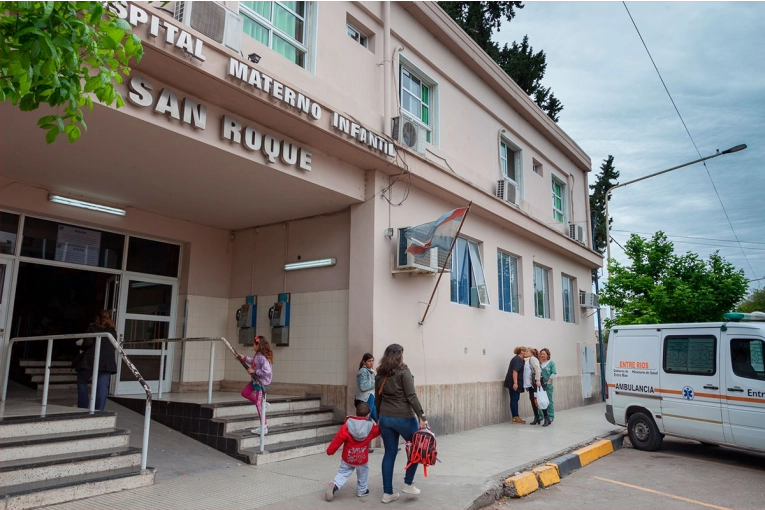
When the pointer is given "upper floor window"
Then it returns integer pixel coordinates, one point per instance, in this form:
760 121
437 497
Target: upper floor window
558 200
510 158
507 271
536 167
356 35
541 292
279 25
567 283
417 100
468 281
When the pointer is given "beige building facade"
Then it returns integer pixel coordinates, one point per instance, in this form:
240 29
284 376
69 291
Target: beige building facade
303 131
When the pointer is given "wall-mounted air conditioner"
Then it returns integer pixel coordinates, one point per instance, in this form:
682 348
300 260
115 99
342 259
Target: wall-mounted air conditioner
576 232
427 262
213 20
588 299
507 190
409 134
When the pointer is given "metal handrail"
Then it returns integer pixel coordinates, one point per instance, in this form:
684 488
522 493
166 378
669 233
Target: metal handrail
212 341
94 383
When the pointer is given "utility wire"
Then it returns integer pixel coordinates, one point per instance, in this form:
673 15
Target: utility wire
687 237
691 137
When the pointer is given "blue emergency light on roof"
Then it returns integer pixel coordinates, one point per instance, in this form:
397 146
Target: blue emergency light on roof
745 317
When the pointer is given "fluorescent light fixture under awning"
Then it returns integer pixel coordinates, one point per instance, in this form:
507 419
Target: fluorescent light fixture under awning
58 199
309 264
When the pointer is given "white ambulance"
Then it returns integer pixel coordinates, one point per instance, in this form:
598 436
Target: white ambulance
702 381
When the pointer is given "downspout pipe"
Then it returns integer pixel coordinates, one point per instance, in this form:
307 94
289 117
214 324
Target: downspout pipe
387 70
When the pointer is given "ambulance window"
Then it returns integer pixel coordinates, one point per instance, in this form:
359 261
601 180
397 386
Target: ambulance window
746 357
691 355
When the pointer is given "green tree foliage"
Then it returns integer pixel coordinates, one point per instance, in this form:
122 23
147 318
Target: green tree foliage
62 54
755 302
526 68
606 179
662 287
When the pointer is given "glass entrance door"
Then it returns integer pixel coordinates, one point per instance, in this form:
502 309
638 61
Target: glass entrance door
147 306
6 266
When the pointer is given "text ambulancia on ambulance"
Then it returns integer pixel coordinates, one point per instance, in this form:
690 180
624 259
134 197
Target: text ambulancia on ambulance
703 381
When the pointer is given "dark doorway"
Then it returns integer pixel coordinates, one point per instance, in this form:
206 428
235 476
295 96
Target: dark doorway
54 300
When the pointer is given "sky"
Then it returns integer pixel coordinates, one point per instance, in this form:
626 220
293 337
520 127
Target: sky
711 56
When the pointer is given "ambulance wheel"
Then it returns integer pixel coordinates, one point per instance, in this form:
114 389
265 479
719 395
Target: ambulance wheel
643 432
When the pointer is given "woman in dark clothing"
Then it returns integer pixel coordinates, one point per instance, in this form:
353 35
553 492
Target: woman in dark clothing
107 362
401 415
514 382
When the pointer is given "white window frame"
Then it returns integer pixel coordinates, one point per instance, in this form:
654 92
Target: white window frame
514 290
537 167
568 284
476 271
357 35
432 125
309 21
505 147
542 279
563 194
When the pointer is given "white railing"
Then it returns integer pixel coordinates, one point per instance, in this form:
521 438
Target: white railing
94 383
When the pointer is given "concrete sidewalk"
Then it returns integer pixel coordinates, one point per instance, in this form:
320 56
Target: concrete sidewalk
195 476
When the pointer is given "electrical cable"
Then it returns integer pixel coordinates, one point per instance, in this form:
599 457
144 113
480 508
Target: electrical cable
687 237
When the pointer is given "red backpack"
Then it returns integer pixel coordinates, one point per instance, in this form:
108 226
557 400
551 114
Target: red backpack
422 449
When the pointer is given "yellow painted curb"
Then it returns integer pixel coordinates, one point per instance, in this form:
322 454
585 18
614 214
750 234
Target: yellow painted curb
521 485
555 466
594 451
546 475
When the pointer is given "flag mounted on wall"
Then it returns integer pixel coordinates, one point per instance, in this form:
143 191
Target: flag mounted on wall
436 234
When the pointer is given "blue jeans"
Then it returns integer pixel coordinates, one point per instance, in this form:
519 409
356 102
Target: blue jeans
371 403
83 396
391 429
514 397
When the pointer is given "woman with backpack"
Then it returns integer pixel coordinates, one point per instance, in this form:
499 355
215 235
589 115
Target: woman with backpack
400 413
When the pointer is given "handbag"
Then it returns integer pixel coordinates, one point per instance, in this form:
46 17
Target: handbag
543 402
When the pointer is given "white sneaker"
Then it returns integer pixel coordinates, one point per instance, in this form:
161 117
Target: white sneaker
265 406
257 430
410 489
329 494
387 498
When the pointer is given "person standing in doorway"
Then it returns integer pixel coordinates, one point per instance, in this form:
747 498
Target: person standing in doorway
514 382
365 384
548 373
261 364
400 413
107 362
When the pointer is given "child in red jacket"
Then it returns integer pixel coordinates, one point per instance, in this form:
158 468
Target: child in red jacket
356 433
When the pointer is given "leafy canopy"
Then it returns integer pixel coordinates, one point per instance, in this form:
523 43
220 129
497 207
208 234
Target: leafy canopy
755 302
605 180
526 68
61 54
662 287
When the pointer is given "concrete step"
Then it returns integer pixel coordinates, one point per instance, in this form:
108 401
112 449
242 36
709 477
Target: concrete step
302 416
57 378
28 426
41 363
286 433
43 493
228 409
58 444
288 450
53 370
18 472
59 386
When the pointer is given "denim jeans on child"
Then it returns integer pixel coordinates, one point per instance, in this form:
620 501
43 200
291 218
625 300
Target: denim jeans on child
83 396
345 471
391 429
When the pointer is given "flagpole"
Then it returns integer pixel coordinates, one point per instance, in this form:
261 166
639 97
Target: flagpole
446 262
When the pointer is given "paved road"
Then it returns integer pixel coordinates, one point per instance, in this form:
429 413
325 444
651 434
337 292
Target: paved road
681 475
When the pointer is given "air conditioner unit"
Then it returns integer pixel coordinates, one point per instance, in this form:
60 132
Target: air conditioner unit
213 20
588 299
428 261
409 134
576 232
507 190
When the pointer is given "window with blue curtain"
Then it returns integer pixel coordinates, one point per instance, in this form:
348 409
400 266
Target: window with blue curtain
468 281
507 272
567 283
541 292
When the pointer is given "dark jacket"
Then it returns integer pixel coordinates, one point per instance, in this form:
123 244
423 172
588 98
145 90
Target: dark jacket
398 399
515 364
107 362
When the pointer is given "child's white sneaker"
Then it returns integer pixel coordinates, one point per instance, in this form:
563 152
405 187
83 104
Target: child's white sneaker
257 430
330 492
410 489
363 494
387 498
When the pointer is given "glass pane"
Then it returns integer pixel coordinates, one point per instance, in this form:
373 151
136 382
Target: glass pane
286 49
149 298
153 257
147 365
425 94
255 30
262 8
690 355
425 117
478 275
410 103
514 284
50 240
746 357
288 23
297 7
9 229
137 332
